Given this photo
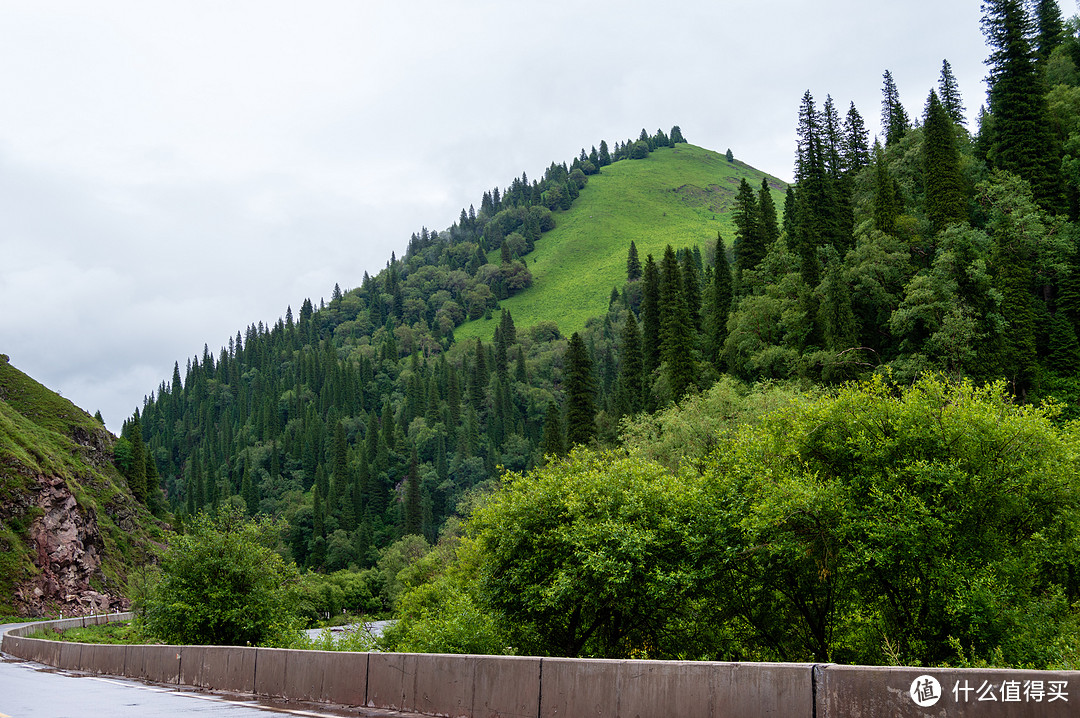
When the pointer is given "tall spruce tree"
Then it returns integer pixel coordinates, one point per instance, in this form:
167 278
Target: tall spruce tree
413 519
137 472
949 91
944 182
886 201
1050 31
1021 140
856 142
815 208
691 285
580 393
676 329
893 116
631 397
749 239
770 227
721 296
633 264
838 325
552 443
650 316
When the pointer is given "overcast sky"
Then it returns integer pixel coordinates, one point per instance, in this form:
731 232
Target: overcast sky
173 172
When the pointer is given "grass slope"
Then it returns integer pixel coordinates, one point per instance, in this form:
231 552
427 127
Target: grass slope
680 196
37 430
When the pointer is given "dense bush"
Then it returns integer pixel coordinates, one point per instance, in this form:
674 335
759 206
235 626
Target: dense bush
222 583
874 524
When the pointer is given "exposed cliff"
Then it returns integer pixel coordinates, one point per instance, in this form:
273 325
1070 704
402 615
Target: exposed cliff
70 529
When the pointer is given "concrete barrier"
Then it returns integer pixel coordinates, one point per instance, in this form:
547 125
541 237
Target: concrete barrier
320 676
494 686
226 668
852 691
104 658
388 676
160 664
70 656
665 688
505 685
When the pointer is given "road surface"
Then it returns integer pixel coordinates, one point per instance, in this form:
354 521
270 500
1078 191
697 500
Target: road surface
31 689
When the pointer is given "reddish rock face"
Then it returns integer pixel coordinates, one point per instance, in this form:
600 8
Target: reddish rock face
68 549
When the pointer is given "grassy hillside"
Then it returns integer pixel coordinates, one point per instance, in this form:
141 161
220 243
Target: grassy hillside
680 196
45 438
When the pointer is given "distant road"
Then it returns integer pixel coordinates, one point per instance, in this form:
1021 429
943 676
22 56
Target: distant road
30 689
375 628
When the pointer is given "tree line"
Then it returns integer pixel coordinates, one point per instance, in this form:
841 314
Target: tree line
361 420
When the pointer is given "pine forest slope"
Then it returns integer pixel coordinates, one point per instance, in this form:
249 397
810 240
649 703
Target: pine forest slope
680 196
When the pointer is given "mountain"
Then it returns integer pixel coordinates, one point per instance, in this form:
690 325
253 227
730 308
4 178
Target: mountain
374 415
681 195
70 529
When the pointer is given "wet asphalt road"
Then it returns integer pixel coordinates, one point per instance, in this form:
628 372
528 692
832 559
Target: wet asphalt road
31 689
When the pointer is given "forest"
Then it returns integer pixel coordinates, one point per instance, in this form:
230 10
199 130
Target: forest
933 271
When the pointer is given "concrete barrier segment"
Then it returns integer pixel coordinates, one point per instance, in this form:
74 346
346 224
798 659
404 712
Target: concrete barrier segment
104 658
505 686
344 676
579 687
853 691
160 664
270 671
442 685
71 656
388 676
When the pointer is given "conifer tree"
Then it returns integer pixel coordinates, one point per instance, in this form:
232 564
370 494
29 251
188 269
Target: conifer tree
886 204
413 523
249 492
197 481
691 286
676 331
580 393
137 472
631 397
633 264
552 443
341 449
767 221
949 92
1017 228
837 320
1068 302
1063 350
945 203
650 316
856 142
832 140
893 116
1050 31
721 304
749 237
1021 140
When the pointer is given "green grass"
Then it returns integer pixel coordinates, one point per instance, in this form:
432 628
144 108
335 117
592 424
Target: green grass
680 196
128 633
41 405
37 427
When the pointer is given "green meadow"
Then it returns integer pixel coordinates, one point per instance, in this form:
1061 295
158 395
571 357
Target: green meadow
680 196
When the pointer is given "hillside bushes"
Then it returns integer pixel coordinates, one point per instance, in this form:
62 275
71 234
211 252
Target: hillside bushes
933 524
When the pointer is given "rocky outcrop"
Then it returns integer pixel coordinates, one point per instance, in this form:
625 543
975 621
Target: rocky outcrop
67 551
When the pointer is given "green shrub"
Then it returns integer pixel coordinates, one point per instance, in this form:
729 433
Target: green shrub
222 584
